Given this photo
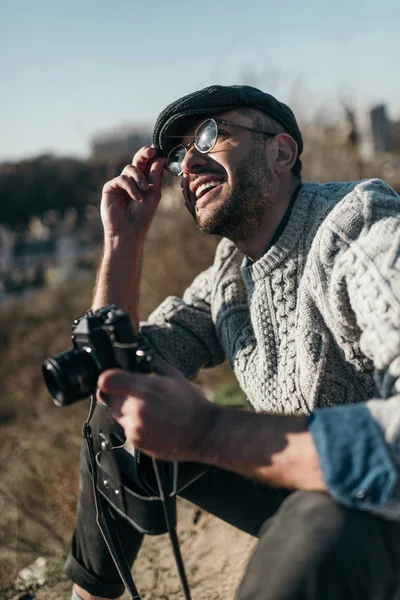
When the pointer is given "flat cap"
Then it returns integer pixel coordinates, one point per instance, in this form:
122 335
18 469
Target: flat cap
178 116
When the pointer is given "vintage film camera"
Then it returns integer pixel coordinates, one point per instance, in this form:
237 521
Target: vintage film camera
102 339
126 477
105 339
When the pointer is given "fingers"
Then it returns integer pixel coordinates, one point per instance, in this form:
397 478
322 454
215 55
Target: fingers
143 156
126 394
148 162
136 175
115 403
123 383
122 184
132 181
156 174
145 172
102 397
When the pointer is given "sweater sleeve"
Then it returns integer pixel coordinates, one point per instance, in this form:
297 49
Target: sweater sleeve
182 331
359 445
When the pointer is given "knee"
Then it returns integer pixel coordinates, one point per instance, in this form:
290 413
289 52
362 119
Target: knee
312 508
317 520
312 543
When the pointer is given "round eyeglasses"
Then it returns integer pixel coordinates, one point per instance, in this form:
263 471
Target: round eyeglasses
205 138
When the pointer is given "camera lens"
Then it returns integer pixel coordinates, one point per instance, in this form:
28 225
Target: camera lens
71 376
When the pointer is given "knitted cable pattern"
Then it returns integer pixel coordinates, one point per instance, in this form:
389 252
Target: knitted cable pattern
307 324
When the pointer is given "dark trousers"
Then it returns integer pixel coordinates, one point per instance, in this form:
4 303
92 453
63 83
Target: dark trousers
309 546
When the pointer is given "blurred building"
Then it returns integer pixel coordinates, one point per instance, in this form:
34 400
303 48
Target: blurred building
395 134
375 131
120 144
380 128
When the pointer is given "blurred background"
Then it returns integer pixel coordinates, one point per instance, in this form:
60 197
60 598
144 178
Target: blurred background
81 86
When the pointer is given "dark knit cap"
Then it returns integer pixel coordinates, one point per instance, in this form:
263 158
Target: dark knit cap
174 120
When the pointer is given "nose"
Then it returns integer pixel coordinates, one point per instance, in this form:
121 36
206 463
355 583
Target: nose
193 161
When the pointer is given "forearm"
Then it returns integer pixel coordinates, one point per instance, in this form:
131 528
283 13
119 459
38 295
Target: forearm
277 450
118 277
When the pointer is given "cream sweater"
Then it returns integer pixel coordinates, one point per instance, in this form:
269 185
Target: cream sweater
310 323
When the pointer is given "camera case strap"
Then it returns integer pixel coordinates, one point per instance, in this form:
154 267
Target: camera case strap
129 483
143 491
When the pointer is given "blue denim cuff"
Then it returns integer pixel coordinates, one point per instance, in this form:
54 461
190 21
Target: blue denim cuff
354 459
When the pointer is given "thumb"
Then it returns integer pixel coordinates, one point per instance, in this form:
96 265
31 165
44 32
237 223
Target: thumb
121 383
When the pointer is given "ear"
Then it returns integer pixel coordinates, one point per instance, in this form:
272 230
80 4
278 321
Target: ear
285 154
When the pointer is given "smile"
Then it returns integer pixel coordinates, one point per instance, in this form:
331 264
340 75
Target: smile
204 188
208 196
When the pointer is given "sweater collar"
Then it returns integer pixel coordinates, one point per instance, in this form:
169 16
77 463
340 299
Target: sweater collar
285 238
284 219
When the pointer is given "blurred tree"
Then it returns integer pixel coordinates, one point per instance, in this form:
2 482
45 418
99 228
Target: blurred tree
31 188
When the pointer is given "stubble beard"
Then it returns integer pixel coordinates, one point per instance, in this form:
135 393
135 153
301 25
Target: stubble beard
243 212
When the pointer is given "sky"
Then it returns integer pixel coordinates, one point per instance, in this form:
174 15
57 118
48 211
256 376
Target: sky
75 68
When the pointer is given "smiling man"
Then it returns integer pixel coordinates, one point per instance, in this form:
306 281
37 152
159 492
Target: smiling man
232 197
303 299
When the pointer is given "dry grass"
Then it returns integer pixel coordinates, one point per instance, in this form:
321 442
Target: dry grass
328 156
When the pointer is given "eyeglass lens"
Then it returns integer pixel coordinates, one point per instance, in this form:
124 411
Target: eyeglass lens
175 158
206 135
205 138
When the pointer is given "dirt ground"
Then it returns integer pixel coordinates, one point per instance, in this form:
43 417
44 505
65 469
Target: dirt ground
214 553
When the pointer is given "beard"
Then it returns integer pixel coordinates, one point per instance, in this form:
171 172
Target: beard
243 211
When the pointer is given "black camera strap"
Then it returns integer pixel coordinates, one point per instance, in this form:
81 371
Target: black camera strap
172 534
104 519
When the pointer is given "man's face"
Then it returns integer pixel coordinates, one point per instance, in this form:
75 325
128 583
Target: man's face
238 172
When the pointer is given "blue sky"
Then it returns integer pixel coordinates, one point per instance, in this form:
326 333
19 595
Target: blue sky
75 68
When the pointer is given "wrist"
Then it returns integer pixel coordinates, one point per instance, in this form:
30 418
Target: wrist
123 241
118 276
132 238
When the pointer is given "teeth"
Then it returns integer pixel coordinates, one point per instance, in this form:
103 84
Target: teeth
205 186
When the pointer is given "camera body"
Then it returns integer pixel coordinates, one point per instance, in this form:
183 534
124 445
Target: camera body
102 339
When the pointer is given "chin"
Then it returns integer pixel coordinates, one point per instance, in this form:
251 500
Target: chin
211 224
204 225
207 216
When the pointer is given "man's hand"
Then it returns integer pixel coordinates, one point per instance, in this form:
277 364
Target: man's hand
130 200
162 413
128 205
168 418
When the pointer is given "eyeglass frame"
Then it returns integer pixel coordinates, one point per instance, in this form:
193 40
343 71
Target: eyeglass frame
193 143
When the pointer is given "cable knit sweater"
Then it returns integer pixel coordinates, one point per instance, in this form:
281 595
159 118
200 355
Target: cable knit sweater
310 323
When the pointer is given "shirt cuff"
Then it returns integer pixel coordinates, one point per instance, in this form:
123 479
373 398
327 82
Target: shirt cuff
354 459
